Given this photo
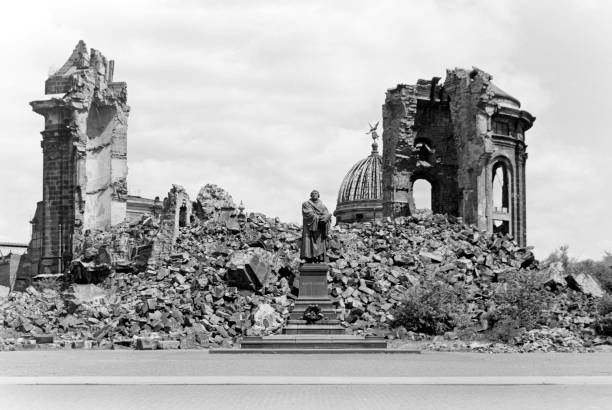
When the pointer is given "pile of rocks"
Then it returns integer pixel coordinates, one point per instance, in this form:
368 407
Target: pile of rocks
227 275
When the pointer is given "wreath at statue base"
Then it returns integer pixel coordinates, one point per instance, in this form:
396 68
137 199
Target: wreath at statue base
312 314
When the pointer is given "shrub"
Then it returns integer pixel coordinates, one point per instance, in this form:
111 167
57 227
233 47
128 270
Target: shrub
431 309
604 307
521 303
603 324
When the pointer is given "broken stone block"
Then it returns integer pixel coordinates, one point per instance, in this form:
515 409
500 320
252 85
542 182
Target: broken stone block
248 270
585 283
188 341
429 256
267 318
178 278
142 256
78 344
43 339
553 276
168 344
32 291
464 263
232 225
162 273
88 293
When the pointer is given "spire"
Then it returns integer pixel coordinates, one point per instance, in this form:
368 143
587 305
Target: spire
375 136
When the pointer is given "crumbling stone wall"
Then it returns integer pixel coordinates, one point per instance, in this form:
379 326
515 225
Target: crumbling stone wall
456 136
177 208
399 114
214 203
176 213
84 155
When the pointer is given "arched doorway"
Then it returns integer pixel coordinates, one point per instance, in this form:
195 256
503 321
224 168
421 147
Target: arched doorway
422 194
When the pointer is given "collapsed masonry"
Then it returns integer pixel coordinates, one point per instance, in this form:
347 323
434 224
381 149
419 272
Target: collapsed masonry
84 148
467 139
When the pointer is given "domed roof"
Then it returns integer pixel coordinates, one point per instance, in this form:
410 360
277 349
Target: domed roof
503 97
363 182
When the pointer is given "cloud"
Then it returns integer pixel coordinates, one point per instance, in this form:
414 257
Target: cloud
271 99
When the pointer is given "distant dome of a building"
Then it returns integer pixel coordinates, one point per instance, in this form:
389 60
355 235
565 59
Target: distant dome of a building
360 194
503 98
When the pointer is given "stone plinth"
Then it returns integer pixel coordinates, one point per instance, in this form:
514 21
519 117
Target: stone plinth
313 291
324 334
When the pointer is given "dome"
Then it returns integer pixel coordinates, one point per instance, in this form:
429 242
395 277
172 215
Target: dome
363 182
360 194
503 97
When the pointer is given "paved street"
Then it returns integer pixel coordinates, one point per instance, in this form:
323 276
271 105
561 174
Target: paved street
195 379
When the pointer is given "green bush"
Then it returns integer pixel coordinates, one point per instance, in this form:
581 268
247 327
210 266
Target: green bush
432 310
604 307
605 279
520 304
603 325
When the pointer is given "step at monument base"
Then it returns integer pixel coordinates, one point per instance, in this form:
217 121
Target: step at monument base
325 334
314 341
301 327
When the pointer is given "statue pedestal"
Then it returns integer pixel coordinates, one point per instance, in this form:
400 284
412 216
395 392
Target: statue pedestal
324 334
313 291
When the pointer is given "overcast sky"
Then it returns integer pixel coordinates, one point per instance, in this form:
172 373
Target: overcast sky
270 99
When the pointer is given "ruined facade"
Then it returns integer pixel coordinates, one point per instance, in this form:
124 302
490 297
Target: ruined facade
84 157
466 137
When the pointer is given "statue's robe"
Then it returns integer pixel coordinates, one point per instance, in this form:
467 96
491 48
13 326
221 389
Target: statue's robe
317 220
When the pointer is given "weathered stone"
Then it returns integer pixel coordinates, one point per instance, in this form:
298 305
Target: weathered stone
248 270
585 283
88 293
429 256
95 108
168 344
43 339
455 136
553 276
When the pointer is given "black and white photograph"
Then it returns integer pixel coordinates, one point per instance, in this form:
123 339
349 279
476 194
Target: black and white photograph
306 204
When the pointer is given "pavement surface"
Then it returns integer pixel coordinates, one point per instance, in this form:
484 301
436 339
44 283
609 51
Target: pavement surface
126 379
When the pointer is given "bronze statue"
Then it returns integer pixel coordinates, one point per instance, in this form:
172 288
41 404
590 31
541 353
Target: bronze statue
372 131
317 221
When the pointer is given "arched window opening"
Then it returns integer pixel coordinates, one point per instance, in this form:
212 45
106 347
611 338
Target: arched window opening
501 199
421 194
183 216
500 192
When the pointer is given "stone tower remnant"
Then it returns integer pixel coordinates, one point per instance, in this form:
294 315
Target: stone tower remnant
466 137
84 144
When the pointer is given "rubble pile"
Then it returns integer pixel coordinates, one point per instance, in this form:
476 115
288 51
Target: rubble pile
230 275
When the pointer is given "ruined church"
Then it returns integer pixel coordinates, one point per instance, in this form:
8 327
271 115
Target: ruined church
465 137
84 147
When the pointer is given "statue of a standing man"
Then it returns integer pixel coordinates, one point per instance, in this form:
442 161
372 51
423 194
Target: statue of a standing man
317 221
